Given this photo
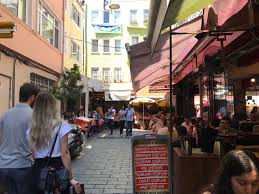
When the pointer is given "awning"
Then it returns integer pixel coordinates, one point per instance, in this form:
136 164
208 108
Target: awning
220 15
147 69
195 63
117 95
177 10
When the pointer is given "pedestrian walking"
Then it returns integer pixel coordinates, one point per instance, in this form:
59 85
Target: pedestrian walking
129 117
48 138
15 154
111 115
121 120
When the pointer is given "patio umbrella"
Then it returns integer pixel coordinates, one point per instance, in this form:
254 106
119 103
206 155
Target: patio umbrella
143 101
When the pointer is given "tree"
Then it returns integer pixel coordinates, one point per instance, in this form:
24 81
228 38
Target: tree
70 89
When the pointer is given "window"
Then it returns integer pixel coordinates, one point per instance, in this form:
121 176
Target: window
95 17
117 45
16 7
95 73
117 15
117 74
94 46
146 15
134 40
48 26
106 74
75 50
76 16
106 17
106 46
43 83
133 16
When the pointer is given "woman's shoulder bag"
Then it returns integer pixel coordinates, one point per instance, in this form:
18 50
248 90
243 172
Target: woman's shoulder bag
51 179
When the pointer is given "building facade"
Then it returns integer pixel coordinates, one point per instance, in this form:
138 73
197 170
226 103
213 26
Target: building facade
74 26
35 53
108 31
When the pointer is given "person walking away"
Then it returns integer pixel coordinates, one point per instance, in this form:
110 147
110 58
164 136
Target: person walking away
129 114
46 125
111 115
238 174
15 154
121 120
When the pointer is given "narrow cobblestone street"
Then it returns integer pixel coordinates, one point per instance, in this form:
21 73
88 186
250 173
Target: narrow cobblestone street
105 164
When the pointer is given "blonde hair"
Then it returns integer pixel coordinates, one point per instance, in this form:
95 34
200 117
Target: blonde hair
44 118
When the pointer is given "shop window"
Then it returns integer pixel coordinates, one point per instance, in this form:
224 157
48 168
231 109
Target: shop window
76 16
117 46
134 40
94 46
44 84
16 7
106 46
106 74
95 17
48 26
133 17
117 15
75 51
117 74
95 73
146 15
106 17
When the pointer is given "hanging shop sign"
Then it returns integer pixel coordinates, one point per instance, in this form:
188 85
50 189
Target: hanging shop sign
151 164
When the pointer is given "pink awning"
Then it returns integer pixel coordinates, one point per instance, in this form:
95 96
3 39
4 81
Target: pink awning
147 69
192 65
227 14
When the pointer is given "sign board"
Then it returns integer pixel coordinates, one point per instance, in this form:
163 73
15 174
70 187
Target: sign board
151 164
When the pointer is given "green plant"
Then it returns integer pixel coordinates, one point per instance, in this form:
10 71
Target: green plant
70 89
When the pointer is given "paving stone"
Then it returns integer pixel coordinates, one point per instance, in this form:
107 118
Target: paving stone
107 166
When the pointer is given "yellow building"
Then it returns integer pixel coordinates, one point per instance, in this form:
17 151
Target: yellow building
74 24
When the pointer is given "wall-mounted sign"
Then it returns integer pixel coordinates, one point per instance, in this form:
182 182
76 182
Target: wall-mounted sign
151 164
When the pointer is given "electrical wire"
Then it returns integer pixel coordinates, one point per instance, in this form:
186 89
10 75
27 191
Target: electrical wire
93 43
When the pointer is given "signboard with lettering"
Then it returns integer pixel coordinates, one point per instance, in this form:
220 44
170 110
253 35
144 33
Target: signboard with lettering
151 164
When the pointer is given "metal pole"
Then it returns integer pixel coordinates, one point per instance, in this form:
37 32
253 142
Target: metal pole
171 88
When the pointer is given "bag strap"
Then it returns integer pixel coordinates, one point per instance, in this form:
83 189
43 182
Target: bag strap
53 145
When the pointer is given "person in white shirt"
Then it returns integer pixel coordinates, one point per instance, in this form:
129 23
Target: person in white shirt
121 120
46 125
129 117
111 115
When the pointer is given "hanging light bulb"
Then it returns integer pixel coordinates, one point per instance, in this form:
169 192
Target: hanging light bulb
252 80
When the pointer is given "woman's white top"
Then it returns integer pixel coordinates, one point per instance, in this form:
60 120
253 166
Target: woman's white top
44 152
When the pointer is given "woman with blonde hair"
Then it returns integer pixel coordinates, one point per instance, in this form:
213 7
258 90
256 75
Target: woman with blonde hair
48 136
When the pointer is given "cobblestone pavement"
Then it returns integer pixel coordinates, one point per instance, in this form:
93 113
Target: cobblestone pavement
105 164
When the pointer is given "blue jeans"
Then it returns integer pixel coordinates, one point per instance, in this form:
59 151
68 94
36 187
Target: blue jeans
129 125
17 180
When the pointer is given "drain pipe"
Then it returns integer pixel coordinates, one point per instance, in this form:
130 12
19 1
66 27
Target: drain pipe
13 82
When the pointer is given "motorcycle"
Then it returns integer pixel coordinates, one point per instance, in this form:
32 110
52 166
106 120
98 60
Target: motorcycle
75 141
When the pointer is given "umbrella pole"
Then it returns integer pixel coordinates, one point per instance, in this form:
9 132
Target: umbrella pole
143 116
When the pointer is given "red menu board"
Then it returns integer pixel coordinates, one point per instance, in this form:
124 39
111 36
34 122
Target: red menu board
150 166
